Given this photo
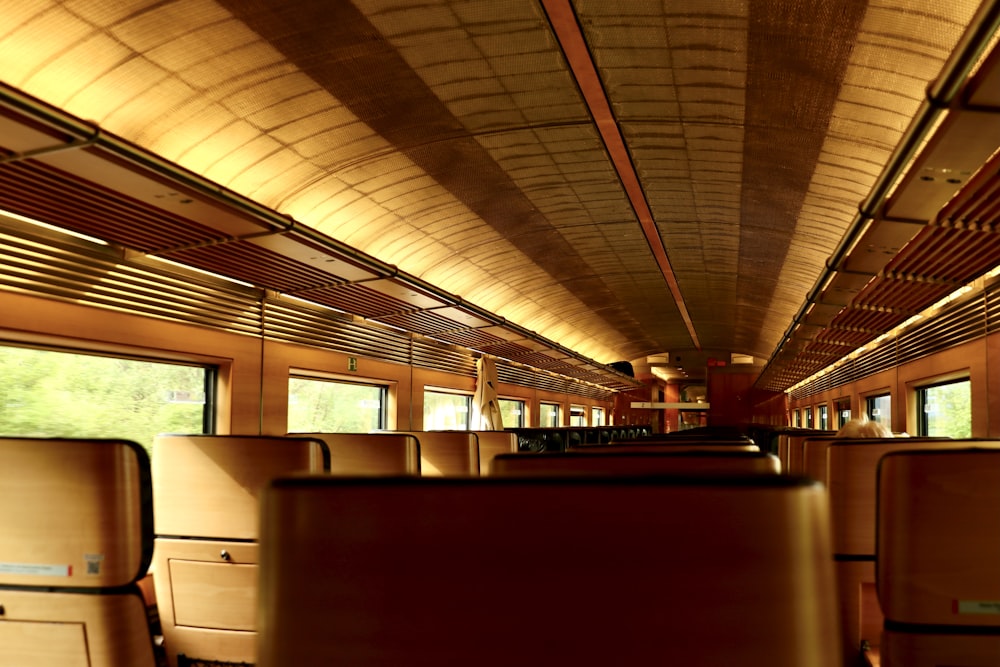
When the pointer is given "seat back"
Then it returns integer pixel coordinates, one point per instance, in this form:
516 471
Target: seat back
76 534
936 556
637 463
447 453
851 479
612 571
492 444
678 446
371 453
206 491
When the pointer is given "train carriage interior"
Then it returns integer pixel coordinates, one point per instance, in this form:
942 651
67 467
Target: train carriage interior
685 241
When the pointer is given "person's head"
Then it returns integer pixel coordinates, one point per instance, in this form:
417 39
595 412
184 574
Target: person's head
863 427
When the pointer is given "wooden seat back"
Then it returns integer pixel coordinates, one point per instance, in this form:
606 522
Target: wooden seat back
814 451
813 462
582 571
447 453
76 534
936 557
493 444
851 480
795 455
637 463
679 446
206 490
371 453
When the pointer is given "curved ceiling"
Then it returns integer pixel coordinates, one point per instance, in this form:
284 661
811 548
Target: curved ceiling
623 178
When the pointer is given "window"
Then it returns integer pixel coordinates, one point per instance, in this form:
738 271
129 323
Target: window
334 406
47 393
597 417
808 415
822 417
945 409
446 411
577 415
843 408
512 412
796 419
550 415
878 408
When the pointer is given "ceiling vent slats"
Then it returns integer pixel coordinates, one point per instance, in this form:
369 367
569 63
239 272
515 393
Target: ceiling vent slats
965 320
44 193
78 271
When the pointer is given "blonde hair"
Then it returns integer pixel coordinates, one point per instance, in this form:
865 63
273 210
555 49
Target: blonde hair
863 427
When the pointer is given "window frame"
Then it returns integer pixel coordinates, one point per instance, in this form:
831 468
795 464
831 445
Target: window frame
542 405
843 413
522 416
597 413
445 391
871 401
385 393
212 372
920 397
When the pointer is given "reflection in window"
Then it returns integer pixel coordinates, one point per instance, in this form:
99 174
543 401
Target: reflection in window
597 417
334 406
550 415
444 411
577 415
843 408
878 408
51 394
945 409
512 412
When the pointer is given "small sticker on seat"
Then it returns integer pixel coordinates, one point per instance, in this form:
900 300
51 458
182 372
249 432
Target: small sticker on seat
976 607
37 569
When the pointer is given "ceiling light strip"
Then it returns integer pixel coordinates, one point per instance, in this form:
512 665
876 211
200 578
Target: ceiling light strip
574 46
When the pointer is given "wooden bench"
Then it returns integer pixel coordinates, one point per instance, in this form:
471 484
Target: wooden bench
76 534
539 572
678 446
937 556
447 453
851 480
493 444
795 442
814 452
206 492
637 463
371 453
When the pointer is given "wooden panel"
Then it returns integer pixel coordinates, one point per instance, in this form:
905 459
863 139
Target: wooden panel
860 619
448 453
851 470
795 464
904 649
208 624
40 644
418 583
371 453
492 444
214 595
208 486
53 629
938 548
783 444
75 513
814 457
637 463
